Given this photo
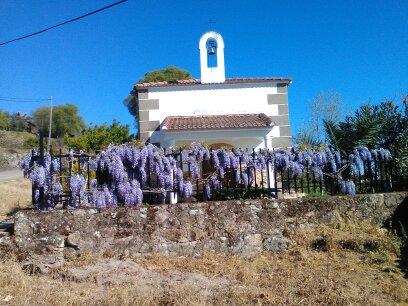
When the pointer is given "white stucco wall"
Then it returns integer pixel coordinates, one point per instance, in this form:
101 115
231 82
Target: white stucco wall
217 99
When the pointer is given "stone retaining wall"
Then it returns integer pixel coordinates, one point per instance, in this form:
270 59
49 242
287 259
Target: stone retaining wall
244 227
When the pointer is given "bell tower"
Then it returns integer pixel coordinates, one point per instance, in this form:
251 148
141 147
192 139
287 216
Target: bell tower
212 58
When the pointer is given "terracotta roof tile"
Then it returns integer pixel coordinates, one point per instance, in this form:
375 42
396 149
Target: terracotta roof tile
227 81
230 121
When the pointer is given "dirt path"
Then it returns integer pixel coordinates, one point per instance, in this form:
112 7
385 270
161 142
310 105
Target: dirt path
10 175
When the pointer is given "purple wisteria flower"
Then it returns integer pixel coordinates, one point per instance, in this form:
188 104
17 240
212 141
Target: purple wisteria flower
122 171
37 176
347 187
187 190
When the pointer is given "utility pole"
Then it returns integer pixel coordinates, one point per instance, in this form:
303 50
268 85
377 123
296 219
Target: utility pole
50 126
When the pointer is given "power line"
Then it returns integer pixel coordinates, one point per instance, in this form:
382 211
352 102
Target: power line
11 101
23 100
65 22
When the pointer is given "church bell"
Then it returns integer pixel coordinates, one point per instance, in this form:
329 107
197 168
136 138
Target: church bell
211 47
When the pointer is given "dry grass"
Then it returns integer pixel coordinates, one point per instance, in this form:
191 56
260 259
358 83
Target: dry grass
357 264
14 195
13 145
346 272
18 288
15 140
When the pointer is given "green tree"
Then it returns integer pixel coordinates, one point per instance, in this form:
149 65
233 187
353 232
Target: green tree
4 120
98 137
65 120
384 125
18 122
306 138
171 73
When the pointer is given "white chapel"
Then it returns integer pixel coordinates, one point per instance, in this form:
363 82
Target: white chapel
215 110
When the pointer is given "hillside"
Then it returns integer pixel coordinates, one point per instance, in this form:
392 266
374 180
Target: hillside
13 145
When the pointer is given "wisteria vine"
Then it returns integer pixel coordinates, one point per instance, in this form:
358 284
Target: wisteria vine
123 174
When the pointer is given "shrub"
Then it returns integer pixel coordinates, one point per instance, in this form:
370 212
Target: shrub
31 143
98 137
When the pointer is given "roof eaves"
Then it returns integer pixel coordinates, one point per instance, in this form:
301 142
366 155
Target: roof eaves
284 80
218 129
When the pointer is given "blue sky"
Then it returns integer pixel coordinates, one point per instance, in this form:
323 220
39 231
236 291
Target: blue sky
357 48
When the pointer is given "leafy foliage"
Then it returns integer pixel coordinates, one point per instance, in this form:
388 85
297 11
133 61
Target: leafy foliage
31 143
401 152
384 125
306 139
98 137
12 143
131 104
4 120
170 73
18 122
65 120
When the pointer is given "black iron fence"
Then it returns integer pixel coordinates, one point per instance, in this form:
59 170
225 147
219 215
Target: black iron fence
376 176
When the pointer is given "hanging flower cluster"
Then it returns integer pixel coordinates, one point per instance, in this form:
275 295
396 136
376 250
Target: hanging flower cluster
42 177
123 171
